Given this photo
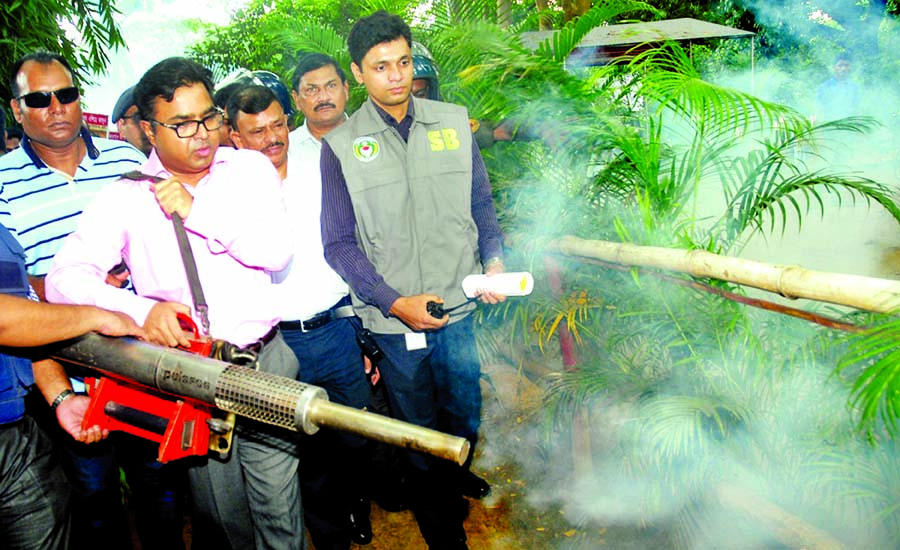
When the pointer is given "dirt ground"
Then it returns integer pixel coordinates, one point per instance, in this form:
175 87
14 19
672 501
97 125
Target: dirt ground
507 519
501 521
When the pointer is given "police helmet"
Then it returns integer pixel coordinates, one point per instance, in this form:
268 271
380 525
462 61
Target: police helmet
424 68
262 78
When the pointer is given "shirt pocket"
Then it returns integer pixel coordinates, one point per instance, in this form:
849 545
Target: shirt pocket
13 279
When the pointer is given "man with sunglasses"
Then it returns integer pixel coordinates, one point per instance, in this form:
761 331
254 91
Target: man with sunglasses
230 202
47 182
44 186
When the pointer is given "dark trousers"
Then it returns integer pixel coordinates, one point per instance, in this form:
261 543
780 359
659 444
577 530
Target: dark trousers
331 463
98 513
34 494
436 387
158 492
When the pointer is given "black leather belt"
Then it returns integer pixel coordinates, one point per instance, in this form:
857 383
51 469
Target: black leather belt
273 332
319 320
257 346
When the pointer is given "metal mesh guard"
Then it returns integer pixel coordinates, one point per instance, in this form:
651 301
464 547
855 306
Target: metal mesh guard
262 396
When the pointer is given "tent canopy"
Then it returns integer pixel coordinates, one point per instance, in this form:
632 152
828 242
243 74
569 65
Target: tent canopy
605 43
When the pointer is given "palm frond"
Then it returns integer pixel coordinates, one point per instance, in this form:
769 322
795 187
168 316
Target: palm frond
306 36
682 427
669 80
863 480
769 204
872 362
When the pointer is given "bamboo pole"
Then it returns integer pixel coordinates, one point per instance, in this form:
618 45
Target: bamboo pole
821 320
867 293
791 530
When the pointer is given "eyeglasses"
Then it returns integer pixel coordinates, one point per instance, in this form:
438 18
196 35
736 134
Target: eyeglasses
189 128
41 100
311 92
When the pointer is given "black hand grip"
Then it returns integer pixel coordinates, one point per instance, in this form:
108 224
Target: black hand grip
435 309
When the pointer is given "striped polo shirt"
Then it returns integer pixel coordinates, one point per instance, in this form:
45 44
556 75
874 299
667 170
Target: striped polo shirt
40 206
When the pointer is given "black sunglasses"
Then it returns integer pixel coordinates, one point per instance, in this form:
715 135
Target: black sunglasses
40 100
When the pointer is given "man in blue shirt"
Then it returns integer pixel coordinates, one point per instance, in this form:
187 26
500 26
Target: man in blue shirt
34 494
839 96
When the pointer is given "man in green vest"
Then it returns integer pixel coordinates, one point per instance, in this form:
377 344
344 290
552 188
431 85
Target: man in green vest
406 215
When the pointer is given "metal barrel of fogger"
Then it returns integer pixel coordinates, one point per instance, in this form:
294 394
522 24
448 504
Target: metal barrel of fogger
249 393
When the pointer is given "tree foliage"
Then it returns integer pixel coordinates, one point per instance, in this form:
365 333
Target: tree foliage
82 31
257 38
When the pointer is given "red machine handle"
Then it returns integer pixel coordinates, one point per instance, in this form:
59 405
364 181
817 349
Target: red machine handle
200 345
188 324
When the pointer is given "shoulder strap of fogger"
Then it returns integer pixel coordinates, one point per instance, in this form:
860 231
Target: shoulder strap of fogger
187 255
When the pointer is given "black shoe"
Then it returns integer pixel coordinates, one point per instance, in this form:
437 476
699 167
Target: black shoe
473 486
390 502
391 495
360 526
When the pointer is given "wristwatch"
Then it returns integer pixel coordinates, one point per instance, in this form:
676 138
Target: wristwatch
63 395
492 261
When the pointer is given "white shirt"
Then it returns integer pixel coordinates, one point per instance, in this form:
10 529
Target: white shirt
309 285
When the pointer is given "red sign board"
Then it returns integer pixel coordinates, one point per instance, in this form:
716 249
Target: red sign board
97 124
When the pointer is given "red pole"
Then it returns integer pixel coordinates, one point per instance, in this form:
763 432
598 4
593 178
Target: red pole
566 340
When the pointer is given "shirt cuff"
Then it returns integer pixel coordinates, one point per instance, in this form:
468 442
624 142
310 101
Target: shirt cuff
384 297
490 250
491 262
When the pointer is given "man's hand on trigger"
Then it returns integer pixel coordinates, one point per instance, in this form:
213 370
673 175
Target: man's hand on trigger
162 327
413 311
173 197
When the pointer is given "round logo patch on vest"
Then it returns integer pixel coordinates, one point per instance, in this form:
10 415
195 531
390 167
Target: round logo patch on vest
366 148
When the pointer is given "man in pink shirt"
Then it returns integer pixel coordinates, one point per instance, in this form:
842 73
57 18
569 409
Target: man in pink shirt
231 204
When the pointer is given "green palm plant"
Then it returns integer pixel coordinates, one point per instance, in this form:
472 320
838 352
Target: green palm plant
663 170
865 483
768 183
646 178
870 362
